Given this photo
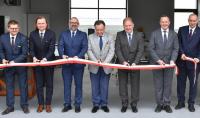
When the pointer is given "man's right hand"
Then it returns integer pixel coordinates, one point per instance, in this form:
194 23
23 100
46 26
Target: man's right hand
161 62
64 56
183 57
35 60
126 63
5 61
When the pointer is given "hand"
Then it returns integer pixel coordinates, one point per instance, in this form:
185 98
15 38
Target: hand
99 61
43 60
76 57
161 62
35 60
196 60
5 61
172 62
126 63
11 62
65 57
183 57
133 64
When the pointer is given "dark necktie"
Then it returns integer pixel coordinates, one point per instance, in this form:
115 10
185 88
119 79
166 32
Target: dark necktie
165 38
100 42
41 35
129 39
73 34
13 41
190 34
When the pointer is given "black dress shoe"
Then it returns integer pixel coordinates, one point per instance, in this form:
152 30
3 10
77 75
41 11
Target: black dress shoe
66 108
191 108
77 109
25 110
105 109
158 108
7 111
95 109
134 109
123 109
167 108
180 105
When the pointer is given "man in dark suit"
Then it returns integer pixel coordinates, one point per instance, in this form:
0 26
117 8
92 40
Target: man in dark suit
189 41
163 49
129 48
14 49
42 47
73 43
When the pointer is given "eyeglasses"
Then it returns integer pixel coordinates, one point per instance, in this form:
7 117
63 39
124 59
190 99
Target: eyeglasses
13 28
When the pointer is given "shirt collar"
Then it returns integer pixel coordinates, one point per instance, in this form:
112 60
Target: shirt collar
192 28
165 30
42 31
13 36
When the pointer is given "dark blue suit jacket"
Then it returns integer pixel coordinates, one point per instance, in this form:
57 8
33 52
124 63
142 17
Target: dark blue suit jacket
189 47
73 47
42 48
18 53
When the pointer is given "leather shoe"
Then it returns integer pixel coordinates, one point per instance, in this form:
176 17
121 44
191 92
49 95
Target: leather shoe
180 105
77 109
25 110
123 109
95 109
7 111
191 108
66 108
48 108
40 108
134 109
158 108
105 109
167 108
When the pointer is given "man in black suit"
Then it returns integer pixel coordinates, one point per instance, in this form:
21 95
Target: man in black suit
129 48
14 49
42 46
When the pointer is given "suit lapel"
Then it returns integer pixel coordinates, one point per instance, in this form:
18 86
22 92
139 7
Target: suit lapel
160 38
105 40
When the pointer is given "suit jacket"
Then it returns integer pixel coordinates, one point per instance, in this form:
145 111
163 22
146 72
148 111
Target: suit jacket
158 50
42 48
189 47
105 55
124 52
73 47
18 52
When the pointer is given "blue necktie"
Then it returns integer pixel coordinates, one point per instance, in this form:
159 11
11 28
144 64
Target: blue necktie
73 34
190 34
100 43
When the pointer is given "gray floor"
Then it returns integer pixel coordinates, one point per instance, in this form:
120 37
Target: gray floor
146 104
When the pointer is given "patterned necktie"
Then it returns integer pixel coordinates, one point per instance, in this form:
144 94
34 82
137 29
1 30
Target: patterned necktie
165 38
100 43
129 39
190 34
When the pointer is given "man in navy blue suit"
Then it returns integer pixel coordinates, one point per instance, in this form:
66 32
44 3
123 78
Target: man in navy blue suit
42 47
189 41
73 43
13 49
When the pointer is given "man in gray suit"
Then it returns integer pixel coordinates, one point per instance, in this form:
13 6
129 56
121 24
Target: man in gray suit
163 48
100 49
129 48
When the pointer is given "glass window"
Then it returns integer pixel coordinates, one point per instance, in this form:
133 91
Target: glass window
180 19
84 3
112 3
185 4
